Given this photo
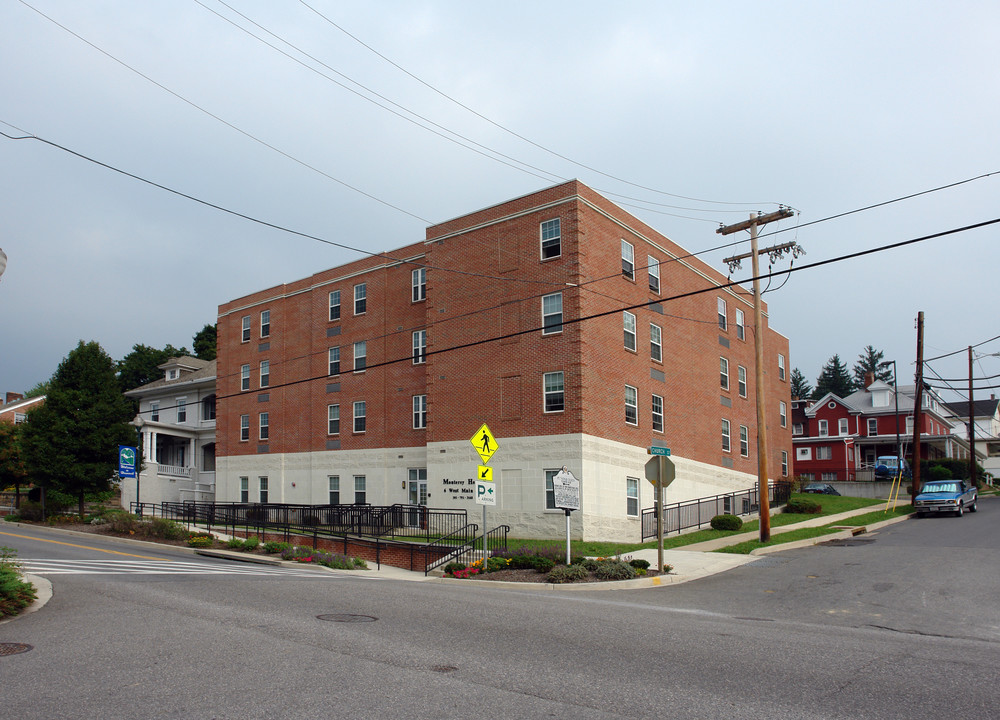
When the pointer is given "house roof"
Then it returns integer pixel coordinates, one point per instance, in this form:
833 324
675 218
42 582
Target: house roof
192 370
981 408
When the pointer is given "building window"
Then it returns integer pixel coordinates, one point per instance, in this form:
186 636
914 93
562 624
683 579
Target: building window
244 427
550 491
741 380
335 305
657 406
872 427
842 426
824 452
803 453
246 328
419 347
783 413
740 325
722 314
360 299
154 412
653 265
784 464
796 428
333 485
781 367
744 441
333 357
359 490
723 373
245 377
628 260
360 355
631 405
552 391
551 246
264 428
263 489
655 342
828 477
333 419
244 489
419 284
823 428
552 313
182 413
419 412
632 497
725 436
360 419
265 323
265 373
629 322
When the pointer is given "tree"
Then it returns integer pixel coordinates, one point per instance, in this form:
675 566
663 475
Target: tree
12 470
204 343
868 362
800 387
141 366
71 442
833 378
39 390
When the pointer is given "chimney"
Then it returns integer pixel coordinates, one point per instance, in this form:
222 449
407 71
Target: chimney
869 379
13 397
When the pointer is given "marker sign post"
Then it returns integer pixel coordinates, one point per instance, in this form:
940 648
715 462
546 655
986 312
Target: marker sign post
486 490
566 489
661 472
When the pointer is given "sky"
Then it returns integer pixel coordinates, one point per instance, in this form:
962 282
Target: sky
363 123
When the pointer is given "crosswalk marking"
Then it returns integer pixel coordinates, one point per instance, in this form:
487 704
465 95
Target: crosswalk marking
161 567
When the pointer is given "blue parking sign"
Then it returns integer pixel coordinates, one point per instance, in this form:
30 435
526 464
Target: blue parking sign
126 461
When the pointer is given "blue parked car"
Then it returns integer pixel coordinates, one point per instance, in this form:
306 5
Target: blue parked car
886 466
938 496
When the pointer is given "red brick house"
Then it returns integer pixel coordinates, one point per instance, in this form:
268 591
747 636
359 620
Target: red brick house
579 334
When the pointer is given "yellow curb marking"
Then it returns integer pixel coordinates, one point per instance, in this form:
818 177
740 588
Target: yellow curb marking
85 547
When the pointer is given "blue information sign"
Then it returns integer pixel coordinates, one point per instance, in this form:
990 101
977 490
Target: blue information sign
126 461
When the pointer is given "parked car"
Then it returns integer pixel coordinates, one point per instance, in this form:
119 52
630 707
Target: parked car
886 466
938 496
820 489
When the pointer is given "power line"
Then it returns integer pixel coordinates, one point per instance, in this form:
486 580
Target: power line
965 349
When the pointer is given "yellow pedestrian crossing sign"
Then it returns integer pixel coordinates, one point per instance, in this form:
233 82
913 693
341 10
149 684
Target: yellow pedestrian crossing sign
484 442
485 473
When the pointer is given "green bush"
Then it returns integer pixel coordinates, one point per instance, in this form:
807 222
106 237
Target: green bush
122 523
591 564
451 567
296 553
30 511
803 506
569 574
726 522
360 563
200 540
235 543
614 570
496 564
939 472
639 563
275 547
251 544
166 529
542 565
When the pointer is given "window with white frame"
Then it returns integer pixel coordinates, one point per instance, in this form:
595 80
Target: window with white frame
657 406
824 430
744 441
418 281
631 405
872 427
781 367
419 412
628 320
784 463
419 347
552 313
333 487
550 491
725 436
264 426
333 359
245 377
360 355
909 424
360 299
722 313
246 328
807 477
333 419
262 485
783 413
182 412
842 426
551 238
803 453
628 260
553 392
244 489
244 427
360 490
797 428
740 325
360 417
828 477
632 497
655 342
335 305
265 373
653 266
265 323
723 373
741 380
824 452
154 411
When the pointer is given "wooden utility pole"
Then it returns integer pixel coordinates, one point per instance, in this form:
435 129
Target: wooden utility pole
917 400
758 342
972 426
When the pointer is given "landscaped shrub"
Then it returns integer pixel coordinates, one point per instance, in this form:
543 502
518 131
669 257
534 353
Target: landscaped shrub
726 522
639 563
332 560
360 563
251 544
496 564
122 523
275 547
542 565
614 570
200 540
589 563
235 543
569 574
296 553
15 593
451 567
803 506
939 472
166 529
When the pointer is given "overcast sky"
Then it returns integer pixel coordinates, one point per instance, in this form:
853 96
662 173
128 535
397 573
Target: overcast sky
824 107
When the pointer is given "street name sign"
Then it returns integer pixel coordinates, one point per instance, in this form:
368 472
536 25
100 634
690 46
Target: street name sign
657 450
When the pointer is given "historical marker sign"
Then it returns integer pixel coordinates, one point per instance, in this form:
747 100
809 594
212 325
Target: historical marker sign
567 490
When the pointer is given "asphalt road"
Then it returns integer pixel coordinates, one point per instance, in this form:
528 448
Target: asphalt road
907 625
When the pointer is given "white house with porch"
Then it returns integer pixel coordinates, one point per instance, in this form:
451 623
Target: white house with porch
177 423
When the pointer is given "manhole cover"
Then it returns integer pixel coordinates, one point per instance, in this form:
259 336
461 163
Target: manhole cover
347 618
849 542
13 648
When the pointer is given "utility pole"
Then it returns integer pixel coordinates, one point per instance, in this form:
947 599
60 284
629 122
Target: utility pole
972 426
917 400
758 342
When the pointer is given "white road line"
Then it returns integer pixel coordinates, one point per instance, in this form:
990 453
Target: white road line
156 567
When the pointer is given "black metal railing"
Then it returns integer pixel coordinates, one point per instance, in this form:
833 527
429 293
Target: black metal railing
696 513
457 545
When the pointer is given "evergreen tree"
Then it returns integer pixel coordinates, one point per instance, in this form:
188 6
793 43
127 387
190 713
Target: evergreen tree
868 362
71 442
833 378
12 470
800 386
204 343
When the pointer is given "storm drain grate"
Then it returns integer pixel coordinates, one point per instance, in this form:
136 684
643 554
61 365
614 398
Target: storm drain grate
444 668
347 618
13 648
849 542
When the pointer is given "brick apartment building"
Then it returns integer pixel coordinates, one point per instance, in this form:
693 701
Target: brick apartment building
551 318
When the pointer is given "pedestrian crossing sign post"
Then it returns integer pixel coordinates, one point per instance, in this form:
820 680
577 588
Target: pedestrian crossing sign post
486 490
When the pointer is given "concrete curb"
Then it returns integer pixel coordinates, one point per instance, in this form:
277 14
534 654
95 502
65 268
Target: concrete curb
43 593
842 535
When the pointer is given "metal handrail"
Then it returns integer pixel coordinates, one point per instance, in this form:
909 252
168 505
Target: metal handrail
463 533
696 513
